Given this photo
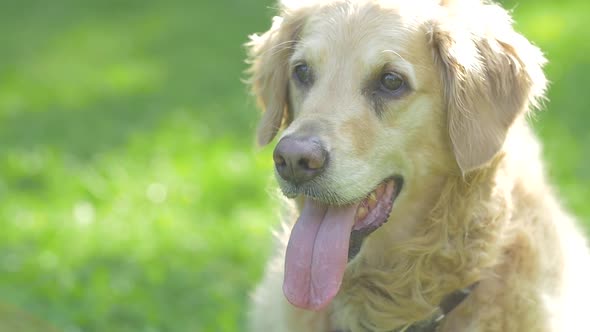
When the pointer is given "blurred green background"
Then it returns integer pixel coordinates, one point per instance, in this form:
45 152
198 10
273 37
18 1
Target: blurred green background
132 197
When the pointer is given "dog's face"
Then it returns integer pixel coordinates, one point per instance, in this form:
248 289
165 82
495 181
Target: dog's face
363 88
379 99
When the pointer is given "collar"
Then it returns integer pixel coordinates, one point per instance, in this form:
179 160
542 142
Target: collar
446 306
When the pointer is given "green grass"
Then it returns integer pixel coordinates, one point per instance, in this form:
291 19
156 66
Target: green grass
132 197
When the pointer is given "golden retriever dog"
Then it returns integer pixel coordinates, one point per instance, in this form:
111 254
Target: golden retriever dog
420 199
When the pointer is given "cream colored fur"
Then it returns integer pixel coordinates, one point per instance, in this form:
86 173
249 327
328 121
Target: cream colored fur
475 205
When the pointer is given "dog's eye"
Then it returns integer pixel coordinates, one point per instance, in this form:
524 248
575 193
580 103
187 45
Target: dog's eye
392 82
302 73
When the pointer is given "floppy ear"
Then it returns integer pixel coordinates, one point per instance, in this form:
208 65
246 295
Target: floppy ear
491 76
268 56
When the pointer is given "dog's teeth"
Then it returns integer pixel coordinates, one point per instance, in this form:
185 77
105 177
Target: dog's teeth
361 213
372 196
372 203
380 190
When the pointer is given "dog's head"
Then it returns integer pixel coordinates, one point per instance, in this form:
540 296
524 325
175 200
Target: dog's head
377 95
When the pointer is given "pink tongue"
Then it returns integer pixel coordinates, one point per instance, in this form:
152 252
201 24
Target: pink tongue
317 254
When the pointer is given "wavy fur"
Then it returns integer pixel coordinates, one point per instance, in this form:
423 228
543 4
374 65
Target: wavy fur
475 206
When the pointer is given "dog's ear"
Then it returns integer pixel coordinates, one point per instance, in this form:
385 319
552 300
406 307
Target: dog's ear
268 56
491 76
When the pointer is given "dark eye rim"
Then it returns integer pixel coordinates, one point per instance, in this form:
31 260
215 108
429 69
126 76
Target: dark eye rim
296 76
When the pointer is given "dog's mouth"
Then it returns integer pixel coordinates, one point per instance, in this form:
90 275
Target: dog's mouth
325 238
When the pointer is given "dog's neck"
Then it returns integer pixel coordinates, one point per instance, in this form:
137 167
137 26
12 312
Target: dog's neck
456 239
446 307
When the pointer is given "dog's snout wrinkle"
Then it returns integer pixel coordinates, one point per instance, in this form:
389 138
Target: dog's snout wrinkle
300 159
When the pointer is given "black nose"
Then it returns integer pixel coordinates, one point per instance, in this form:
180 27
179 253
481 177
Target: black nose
300 159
